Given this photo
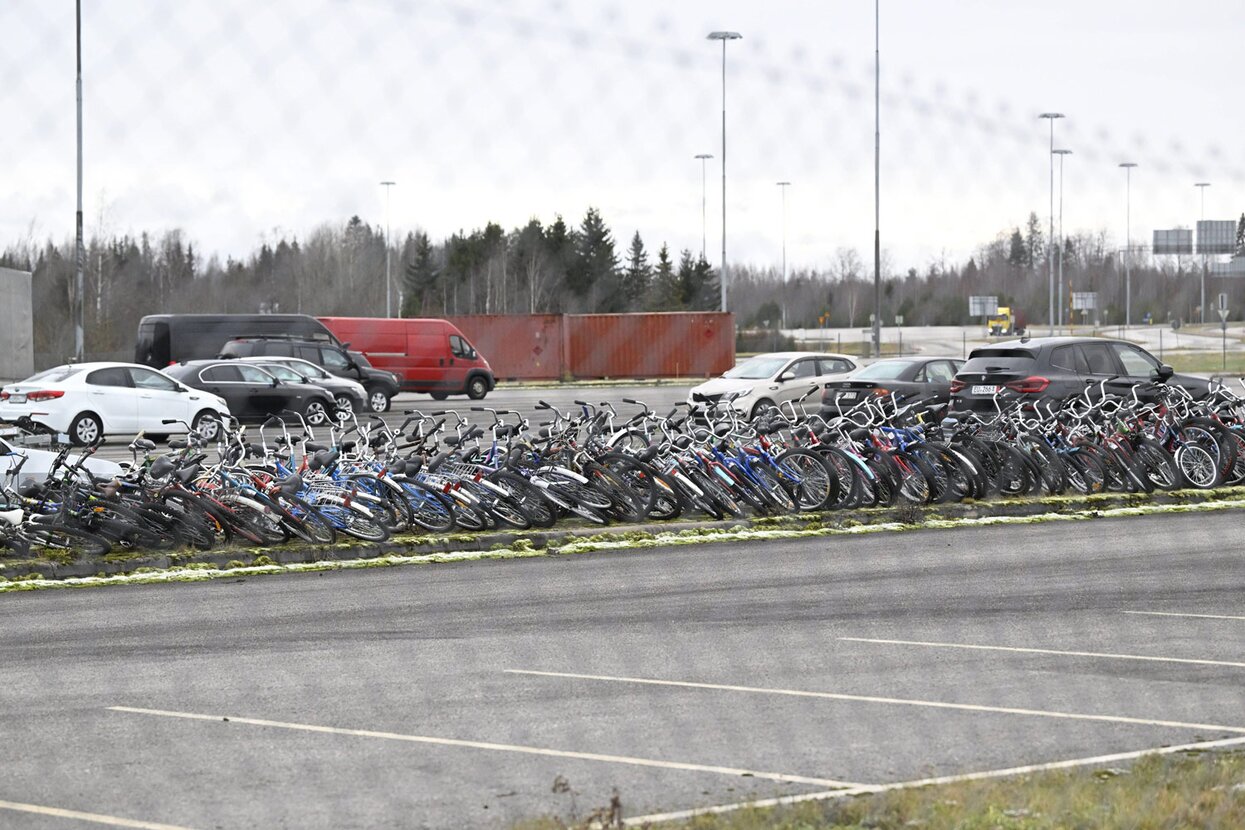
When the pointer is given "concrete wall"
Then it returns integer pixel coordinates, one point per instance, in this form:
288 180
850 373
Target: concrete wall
17 329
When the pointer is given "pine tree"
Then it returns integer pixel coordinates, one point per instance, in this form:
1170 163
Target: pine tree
593 276
1240 237
665 290
637 275
420 278
1017 254
1035 242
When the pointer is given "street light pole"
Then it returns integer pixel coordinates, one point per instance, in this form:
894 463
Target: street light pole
1201 186
783 187
724 37
79 310
388 256
1050 258
877 183
1061 153
704 157
1128 241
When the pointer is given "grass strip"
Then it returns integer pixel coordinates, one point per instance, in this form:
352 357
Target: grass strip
1196 789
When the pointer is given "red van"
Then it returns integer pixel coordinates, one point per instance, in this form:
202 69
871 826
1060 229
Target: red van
427 355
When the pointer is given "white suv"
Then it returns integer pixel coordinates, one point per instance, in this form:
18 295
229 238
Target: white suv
767 380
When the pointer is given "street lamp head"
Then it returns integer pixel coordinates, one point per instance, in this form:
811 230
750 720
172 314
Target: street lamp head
1052 115
387 184
703 156
783 184
1201 184
1062 152
724 36
1128 164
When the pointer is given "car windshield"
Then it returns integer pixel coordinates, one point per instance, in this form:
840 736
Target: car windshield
885 370
55 375
756 368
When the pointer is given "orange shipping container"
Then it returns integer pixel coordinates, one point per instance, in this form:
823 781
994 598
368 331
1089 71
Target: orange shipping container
659 345
519 346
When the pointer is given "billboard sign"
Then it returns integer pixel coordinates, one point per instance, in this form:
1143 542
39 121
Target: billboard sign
1174 241
983 306
1084 300
1234 267
1216 236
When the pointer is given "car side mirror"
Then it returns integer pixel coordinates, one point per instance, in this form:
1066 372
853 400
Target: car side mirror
1162 374
786 376
276 382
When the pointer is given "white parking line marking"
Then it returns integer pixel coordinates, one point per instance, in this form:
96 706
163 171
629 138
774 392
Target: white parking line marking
96 818
526 750
1174 614
638 821
1016 650
895 701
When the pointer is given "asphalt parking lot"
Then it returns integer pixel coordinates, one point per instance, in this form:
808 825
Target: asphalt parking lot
479 694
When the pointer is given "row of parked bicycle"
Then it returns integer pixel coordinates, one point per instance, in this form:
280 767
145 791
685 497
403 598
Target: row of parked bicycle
438 472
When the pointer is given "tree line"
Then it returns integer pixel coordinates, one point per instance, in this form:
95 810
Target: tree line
340 269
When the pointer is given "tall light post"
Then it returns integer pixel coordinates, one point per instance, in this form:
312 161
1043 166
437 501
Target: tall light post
79 310
724 37
877 183
1050 258
388 255
1061 153
783 187
704 157
1201 186
1128 241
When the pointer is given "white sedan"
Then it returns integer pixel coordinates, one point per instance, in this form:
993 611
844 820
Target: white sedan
767 380
90 400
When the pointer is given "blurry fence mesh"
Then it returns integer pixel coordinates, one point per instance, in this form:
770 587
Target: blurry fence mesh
234 153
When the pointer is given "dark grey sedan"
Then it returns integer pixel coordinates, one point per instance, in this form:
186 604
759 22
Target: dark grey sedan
907 377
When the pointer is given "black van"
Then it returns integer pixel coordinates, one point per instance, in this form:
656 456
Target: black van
171 338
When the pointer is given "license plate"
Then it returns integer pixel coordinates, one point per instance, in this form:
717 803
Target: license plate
846 396
16 398
985 390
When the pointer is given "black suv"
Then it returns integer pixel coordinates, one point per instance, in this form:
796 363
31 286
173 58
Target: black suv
380 385
1054 369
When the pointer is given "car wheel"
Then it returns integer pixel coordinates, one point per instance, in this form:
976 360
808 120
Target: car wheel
477 387
207 425
439 396
377 400
86 429
316 412
762 407
345 407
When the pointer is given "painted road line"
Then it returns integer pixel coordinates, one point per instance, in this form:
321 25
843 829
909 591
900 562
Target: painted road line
681 815
894 701
78 815
495 747
1174 614
1015 650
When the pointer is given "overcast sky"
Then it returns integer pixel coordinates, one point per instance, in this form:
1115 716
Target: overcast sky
234 120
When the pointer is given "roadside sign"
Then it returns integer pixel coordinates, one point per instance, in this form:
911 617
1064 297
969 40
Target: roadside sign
983 305
899 319
1084 300
1223 302
1223 315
